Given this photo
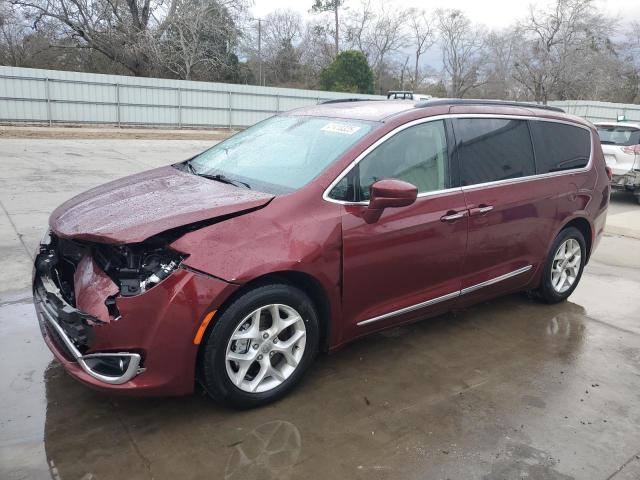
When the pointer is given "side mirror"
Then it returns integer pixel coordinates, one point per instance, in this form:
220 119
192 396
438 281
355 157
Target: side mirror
389 194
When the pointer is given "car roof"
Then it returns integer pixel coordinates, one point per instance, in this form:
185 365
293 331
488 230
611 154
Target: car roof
373 110
382 110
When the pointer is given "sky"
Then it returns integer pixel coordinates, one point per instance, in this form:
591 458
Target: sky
492 13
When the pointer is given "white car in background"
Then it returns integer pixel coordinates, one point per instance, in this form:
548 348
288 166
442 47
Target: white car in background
621 147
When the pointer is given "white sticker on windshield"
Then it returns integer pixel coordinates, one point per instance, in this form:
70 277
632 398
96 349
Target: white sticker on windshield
340 128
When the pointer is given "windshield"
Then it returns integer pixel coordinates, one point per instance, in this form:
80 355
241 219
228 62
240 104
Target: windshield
619 135
281 154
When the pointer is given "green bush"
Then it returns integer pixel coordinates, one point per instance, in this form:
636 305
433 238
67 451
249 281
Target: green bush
349 72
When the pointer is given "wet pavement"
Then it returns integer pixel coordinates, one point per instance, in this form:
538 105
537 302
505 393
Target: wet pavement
508 389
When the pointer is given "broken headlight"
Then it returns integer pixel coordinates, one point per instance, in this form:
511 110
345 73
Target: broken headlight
137 268
159 271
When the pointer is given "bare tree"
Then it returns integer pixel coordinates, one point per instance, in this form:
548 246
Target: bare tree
333 6
22 45
630 59
384 37
316 52
403 72
553 40
282 37
462 45
125 31
499 54
632 43
13 30
197 38
358 24
422 36
117 29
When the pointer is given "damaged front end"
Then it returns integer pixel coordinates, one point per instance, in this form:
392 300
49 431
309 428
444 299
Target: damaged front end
76 286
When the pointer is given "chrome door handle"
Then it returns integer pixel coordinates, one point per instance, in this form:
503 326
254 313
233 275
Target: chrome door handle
452 217
481 210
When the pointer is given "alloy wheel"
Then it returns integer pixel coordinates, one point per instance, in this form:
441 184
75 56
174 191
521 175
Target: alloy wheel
265 348
566 265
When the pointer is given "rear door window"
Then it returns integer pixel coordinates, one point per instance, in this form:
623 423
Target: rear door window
493 149
560 146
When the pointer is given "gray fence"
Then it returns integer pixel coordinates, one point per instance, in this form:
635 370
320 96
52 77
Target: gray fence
51 96
600 111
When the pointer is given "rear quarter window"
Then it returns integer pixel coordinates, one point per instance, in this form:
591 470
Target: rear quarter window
559 146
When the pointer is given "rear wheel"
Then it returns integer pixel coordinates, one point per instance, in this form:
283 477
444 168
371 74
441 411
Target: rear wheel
260 346
563 268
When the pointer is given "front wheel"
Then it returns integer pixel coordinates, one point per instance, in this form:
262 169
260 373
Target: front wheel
563 268
260 346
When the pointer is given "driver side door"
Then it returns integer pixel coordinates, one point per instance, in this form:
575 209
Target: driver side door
407 264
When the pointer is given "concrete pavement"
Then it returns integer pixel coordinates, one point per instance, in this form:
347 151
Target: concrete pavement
623 217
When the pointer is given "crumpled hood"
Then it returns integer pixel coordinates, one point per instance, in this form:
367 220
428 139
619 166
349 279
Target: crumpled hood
134 208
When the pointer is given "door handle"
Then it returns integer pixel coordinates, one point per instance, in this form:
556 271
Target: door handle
481 210
453 216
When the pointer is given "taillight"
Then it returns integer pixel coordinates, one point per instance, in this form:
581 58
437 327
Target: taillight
609 173
631 149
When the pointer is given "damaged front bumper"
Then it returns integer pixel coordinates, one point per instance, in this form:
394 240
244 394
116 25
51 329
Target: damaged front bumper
57 317
147 349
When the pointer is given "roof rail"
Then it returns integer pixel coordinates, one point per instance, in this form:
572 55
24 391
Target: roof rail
502 103
341 100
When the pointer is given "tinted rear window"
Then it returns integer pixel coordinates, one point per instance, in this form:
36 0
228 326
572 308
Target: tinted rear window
559 146
491 149
622 136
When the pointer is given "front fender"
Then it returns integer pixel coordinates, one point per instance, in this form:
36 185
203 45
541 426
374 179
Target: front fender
285 236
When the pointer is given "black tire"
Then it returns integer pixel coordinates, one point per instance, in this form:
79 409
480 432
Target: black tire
546 292
212 360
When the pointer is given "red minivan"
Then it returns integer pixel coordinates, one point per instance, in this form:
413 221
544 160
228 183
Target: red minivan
308 230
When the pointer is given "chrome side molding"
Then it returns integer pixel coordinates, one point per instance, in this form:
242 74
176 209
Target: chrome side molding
446 297
506 276
411 308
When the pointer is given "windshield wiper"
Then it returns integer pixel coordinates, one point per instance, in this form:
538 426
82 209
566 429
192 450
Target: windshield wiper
190 167
218 177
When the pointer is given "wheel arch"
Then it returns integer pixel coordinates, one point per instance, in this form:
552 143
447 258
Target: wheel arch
305 282
583 226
